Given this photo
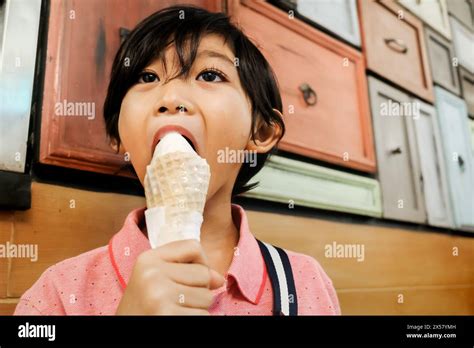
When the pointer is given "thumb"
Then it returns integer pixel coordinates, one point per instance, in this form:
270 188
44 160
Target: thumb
216 279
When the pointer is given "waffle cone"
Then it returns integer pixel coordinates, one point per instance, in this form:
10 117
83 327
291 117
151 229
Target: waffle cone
179 181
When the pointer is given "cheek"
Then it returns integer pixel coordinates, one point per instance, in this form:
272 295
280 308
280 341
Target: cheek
228 124
132 129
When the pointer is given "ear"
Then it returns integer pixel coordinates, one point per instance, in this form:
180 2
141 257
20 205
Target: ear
118 148
266 136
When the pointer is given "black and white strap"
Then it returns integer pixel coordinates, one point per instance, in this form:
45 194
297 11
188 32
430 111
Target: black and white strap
281 277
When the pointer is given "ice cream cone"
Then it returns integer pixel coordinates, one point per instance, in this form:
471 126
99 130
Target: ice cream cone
176 184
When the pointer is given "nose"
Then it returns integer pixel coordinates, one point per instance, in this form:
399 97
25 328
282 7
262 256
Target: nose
180 108
174 101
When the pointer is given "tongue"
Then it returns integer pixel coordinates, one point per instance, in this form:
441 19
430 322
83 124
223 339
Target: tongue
172 142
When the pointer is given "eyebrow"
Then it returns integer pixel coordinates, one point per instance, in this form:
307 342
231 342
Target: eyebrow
215 54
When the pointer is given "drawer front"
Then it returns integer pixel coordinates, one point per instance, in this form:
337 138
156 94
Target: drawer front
463 40
395 47
467 88
83 37
337 127
397 157
471 124
463 10
453 121
338 16
430 153
441 54
432 12
302 184
19 27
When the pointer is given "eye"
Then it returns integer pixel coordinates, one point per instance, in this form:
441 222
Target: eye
212 75
147 77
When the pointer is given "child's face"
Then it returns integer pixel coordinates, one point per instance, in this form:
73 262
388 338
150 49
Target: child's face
217 111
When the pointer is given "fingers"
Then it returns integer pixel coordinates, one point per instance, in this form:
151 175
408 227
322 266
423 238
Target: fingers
193 297
183 251
195 275
217 280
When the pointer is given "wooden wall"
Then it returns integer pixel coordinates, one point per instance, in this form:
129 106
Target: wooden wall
418 265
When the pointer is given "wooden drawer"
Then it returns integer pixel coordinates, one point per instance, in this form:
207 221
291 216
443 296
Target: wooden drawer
397 156
302 184
432 12
463 40
430 153
337 127
83 37
467 89
457 148
463 10
338 17
441 54
394 48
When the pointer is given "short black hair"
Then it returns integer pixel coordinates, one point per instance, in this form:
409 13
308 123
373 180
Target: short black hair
149 40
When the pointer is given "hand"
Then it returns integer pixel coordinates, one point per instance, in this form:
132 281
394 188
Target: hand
174 279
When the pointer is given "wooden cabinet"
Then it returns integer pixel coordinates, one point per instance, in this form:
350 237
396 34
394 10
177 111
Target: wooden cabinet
463 40
467 88
457 149
430 153
442 61
393 43
432 12
323 86
463 10
83 37
397 156
424 157
337 16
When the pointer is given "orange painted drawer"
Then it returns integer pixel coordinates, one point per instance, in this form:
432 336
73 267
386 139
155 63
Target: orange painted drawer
333 123
394 47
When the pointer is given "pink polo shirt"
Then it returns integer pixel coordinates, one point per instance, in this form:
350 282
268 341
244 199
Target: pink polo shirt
93 283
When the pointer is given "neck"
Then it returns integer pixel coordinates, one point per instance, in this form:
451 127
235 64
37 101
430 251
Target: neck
219 235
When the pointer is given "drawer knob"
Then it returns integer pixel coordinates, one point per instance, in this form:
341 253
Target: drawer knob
397 45
396 151
309 95
461 162
123 32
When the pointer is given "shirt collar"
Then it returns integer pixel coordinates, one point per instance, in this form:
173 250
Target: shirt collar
247 268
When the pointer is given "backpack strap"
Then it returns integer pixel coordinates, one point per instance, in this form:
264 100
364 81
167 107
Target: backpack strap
281 277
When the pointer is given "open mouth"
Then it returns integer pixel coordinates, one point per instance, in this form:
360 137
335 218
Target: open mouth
175 128
189 142
187 139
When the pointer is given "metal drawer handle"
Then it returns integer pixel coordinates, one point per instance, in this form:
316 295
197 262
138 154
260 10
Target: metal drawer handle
309 95
397 45
123 32
396 151
461 162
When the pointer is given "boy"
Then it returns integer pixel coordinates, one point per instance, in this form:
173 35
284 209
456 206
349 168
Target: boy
200 76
